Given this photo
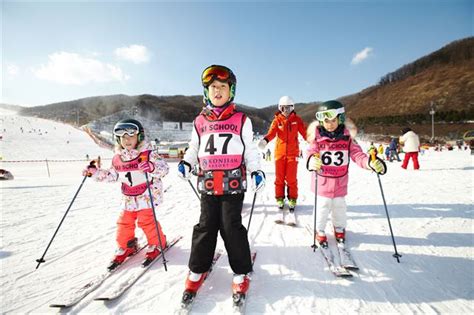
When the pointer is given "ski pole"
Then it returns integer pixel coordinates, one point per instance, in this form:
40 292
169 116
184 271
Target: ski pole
194 189
156 221
251 210
41 260
396 255
314 246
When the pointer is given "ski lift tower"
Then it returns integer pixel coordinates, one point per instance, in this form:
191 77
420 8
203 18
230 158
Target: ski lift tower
432 113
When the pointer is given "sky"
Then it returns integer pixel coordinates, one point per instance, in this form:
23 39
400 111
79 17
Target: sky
312 51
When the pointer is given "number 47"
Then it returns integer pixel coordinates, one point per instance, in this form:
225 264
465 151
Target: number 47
210 146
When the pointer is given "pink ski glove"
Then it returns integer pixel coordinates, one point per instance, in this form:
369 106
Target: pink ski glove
146 167
89 171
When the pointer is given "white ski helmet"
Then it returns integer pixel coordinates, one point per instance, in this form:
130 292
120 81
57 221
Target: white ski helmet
286 101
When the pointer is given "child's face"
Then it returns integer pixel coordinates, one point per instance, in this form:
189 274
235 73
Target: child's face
331 124
129 142
219 93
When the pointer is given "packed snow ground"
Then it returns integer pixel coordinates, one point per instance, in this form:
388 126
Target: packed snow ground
431 213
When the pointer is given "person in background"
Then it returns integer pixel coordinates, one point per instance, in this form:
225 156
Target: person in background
393 147
371 148
411 147
387 153
268 155
286 126
380 150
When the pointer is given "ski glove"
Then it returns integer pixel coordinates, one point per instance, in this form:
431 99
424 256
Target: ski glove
184 170
146 166
378 166
314 163
262 144
90 169
258 180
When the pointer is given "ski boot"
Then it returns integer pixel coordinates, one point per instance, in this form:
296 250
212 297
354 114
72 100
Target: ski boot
292 204
280 203
240 286
322 239
123 253
340 234
152 252
192 285
280 216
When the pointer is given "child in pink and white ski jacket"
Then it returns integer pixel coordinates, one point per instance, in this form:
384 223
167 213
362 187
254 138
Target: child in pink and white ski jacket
133 159
329 153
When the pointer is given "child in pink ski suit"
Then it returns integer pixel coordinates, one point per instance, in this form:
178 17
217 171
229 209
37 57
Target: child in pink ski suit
133 158
329 153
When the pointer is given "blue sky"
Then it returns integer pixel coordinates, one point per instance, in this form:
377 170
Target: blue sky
312 51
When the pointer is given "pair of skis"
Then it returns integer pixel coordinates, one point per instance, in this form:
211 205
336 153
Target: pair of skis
347 263
117 291
238 299
286 217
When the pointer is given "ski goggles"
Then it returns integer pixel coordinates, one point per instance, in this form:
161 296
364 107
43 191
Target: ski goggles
287 108
129 129
211 73
329 114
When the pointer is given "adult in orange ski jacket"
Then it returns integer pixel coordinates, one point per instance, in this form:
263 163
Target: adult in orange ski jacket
286 126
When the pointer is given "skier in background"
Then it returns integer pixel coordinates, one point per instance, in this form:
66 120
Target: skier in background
133 157
393 146
286 126
380 150
371 148
268 155
330 147
411 147
387 153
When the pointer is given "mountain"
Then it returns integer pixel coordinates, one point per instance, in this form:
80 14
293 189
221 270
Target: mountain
444 78
177 108
15 108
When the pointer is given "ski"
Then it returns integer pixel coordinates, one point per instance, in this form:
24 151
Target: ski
239 299
291 218
346 257
337 270
280 217
326 252
188 298
77 296
131 279
286 218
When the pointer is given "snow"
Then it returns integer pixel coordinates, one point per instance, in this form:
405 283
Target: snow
431 214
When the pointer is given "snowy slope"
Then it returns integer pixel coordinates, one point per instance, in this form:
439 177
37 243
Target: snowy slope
431 212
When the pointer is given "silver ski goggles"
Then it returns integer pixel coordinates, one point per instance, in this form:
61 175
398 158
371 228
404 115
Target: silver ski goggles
129 129
329 114
287 108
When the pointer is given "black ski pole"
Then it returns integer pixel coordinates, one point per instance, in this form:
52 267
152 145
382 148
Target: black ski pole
194 189
156 221
314 246
251 210
396 255
41 260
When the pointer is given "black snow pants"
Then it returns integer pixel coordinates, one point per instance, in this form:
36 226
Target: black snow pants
220 213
